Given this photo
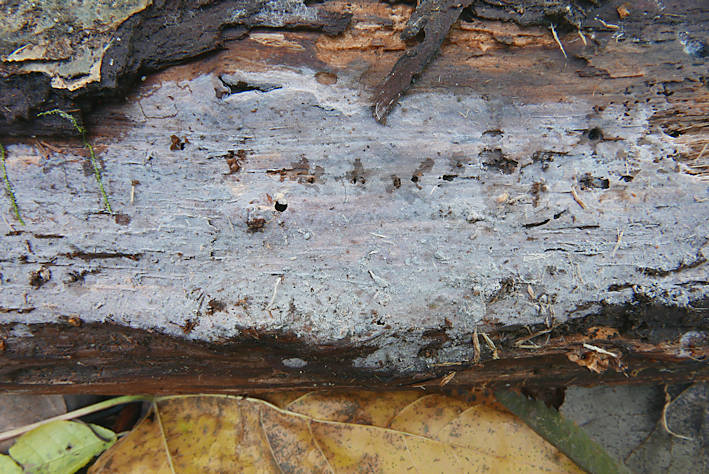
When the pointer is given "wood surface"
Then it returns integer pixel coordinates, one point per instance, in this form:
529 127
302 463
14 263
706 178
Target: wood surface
535 210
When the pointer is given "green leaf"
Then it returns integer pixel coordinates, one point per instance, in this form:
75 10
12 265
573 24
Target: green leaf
61 447
8 466
562 433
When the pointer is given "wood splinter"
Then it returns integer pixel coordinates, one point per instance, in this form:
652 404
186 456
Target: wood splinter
435 18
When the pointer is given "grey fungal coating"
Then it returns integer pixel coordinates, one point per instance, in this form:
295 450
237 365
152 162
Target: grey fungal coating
692 46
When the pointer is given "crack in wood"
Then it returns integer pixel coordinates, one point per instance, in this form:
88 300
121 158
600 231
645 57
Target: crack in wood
87 256
657 272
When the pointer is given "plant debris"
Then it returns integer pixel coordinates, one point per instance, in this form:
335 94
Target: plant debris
434 18
562 433
8 186
82 132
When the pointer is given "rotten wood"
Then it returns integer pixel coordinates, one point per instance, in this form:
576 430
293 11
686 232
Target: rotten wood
435 18
526 216
90 358
159 34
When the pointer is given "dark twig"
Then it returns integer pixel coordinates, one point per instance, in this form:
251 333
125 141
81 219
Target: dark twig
435 18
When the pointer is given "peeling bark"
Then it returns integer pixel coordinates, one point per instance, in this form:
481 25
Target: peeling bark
163 34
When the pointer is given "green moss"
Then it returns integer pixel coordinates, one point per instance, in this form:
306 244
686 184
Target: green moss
82 131
8 186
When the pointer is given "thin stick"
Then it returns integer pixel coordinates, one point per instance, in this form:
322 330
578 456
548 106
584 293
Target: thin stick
8 186
668 402
617 244
491 345
600 350
476 347
379 280
556 38
583 38
701 153
275 291
532 336
76 414
607 25
94 163
576 197
447 378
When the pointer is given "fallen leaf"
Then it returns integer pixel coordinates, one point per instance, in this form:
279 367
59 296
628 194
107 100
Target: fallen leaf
8 466
593 361
330 431
565 434
60 447
22 409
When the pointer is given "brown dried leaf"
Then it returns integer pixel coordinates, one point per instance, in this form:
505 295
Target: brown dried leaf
338 432
597 363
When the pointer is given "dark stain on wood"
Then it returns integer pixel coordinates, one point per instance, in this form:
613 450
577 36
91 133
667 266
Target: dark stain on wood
495 159
357 175
251 362
40 277
255 224
299 171
88 256
177 143
698 261
121 219
588 181
214 306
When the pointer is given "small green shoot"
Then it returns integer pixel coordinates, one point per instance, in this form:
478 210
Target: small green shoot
82 131
111 402
8 186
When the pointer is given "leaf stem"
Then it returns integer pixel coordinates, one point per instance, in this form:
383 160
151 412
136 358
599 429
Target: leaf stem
77 413
8 186
164 437
562 433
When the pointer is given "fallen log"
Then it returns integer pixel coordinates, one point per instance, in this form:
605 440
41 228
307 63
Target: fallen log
534 211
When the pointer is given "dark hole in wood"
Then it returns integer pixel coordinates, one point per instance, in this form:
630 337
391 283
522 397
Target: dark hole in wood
595 134
243 86
588 181
495 159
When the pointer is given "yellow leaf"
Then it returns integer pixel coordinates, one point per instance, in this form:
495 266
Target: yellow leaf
331 432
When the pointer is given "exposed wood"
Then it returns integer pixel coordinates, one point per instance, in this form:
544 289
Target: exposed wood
268 232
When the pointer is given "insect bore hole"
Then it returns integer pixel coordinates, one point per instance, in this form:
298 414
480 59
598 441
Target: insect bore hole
595 134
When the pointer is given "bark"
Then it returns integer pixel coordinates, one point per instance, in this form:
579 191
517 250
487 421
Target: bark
535 210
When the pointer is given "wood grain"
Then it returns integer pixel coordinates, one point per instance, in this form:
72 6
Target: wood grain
291 240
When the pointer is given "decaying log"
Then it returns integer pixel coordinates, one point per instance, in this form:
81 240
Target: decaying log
534 211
